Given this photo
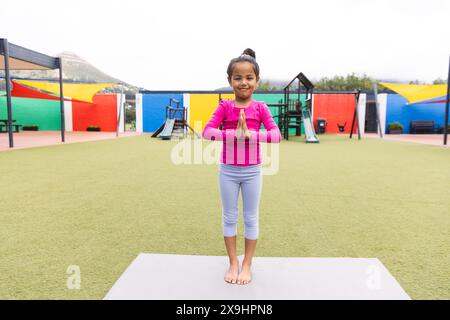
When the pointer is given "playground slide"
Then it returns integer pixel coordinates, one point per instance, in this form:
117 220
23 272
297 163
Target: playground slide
157 132
310 133
166 134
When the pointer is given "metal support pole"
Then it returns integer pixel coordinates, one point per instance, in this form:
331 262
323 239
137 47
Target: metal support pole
446 105
120 111
8 92
61 100
356 116
375 91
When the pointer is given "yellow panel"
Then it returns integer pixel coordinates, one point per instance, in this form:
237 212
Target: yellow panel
202 107
418 92
81 92
227 96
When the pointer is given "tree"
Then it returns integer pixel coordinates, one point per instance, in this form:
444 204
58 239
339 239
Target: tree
348 83
439 81
130 114
265 85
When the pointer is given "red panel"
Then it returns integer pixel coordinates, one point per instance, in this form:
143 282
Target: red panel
102 113
336 109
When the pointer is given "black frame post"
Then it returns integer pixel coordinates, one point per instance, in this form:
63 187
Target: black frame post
61 100
120 112
40 62
377 107
8 92
447 105
356 116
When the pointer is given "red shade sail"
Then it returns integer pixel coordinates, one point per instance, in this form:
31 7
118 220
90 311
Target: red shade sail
21 91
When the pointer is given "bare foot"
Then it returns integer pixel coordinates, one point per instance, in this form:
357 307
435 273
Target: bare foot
232 273
245 276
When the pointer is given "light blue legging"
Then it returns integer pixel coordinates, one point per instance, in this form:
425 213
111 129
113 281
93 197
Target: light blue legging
249 180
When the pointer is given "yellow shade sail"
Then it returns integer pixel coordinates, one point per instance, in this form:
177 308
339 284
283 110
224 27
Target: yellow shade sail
417 92
82 92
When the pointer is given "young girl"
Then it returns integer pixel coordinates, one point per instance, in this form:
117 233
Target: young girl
240 166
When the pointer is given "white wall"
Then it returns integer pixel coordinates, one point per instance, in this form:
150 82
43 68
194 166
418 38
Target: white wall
121 111
68 121
362 112
382 103
139 120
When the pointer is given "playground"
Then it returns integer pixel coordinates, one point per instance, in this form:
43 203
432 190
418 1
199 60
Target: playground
100 204
431 139
31 139
348 193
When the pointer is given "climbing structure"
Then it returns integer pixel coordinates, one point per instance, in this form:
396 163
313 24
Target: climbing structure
293 113
175 123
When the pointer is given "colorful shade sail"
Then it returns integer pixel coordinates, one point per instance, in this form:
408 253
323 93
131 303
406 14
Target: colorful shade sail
436 101
20 91
81 92
418 92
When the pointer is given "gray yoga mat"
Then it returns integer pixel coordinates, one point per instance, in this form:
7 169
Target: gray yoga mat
188 277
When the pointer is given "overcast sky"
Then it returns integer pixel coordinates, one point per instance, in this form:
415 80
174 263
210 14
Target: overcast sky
168 44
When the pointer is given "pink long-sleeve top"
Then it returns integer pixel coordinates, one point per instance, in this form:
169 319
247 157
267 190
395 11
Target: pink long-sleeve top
241 152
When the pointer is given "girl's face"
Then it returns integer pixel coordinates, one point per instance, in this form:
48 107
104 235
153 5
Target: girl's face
243 80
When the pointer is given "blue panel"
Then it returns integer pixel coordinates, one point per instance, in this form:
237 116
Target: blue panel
398 111
154 109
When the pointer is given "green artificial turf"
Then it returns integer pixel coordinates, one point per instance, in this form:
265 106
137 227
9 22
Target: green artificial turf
97 205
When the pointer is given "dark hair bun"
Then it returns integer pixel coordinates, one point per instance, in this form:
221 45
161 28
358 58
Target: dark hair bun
250 52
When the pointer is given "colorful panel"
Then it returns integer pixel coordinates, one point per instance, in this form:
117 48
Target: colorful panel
202 107
154 109
398 111
46 114
102 113
336 109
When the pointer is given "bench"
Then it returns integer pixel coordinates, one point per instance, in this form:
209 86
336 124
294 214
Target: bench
422 126
4 128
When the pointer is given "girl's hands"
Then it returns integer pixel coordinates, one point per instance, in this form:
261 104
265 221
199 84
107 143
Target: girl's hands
244 126
242 130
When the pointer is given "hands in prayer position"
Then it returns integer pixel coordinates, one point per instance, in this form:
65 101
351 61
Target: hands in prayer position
242 130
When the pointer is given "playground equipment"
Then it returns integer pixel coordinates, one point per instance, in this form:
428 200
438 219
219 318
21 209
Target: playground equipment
173 126
293 113
341 127
356 117
321 125
447 105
